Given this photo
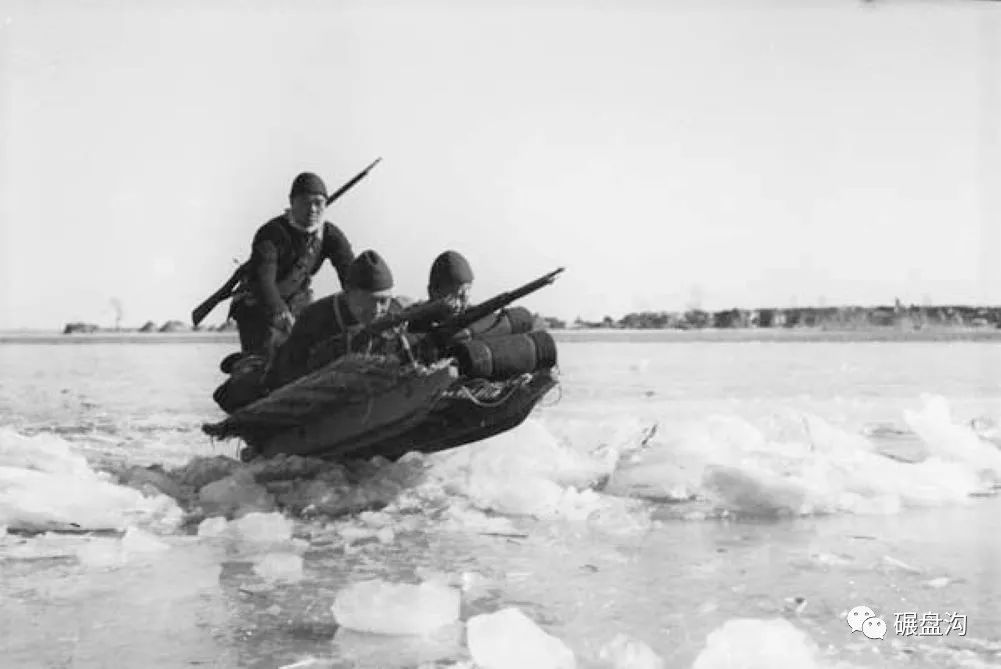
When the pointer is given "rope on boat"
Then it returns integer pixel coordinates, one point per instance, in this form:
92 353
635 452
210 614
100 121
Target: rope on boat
468 394
465 392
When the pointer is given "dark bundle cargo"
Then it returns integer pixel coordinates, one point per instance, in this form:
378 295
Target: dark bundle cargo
515 320
499 358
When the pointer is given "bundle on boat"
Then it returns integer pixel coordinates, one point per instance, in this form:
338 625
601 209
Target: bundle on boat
499 358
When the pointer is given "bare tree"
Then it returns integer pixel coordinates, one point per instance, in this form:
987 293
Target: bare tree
119 309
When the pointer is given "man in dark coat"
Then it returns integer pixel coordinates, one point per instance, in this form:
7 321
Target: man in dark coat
330 323
286 252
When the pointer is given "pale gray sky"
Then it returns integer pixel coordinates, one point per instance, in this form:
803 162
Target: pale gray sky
661 151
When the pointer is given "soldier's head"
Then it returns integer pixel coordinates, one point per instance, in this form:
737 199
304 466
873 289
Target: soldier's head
369 289
308 200
451 280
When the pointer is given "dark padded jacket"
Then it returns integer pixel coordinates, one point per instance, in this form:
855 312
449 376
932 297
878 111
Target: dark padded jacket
283 261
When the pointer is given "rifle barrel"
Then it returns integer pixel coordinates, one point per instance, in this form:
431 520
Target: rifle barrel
476 312
350 184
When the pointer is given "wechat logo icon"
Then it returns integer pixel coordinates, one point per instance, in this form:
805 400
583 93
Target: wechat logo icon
863 619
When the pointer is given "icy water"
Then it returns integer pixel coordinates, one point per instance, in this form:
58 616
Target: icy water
718 504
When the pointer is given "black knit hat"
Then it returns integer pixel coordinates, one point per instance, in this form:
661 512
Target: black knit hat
449 270
370 272
309 184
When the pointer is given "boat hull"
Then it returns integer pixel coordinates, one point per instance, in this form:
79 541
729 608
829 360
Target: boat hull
458 418
363 406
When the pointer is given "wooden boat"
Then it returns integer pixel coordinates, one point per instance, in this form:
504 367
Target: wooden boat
361 406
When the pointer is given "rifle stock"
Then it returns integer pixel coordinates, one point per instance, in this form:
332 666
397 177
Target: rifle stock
225 291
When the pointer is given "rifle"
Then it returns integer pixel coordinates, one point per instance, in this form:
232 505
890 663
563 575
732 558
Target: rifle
435 311
225 291
330 349
442 333
349 185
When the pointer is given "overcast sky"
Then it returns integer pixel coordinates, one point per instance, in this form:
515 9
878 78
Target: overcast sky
666 153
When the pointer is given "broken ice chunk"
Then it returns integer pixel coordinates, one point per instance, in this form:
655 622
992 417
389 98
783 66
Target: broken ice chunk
235 495
263 528
213 527
624 652
396 608
752 643
508 639
279 567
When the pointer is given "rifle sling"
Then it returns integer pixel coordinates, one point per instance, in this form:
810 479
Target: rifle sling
294 279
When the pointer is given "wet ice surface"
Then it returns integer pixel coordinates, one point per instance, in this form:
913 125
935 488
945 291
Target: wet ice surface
680 505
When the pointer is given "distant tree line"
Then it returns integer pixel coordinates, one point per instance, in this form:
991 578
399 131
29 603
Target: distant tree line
148 327
844 318
852 317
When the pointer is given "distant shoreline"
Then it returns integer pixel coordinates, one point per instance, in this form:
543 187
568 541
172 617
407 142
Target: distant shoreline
780 335
610 335
112 337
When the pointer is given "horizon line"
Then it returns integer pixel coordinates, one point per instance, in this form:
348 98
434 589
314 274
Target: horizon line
208 326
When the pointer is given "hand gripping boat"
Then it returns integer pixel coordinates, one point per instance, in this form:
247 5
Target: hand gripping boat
359 406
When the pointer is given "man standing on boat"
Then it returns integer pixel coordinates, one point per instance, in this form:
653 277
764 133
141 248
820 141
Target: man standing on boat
286 252
332 320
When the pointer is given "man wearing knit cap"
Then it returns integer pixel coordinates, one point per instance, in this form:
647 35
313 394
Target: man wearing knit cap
450 280
332 320
286 252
